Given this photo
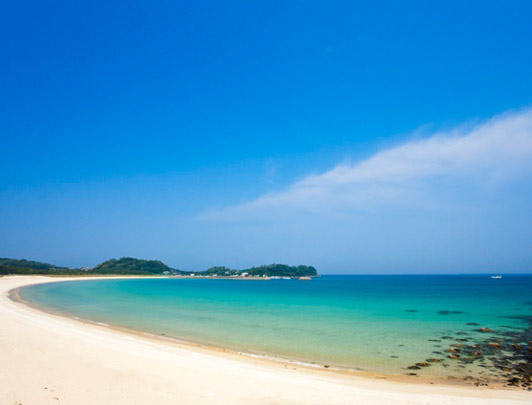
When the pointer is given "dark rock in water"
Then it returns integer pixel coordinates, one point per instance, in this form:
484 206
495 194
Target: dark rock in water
476 354
394 357
485 330
436 352
453 350
524 318
434 340
411 310
414 368
412 374
472 324
454 356
423 364
461 333
326 366
434 360
446 337
445 312
462 340
459 345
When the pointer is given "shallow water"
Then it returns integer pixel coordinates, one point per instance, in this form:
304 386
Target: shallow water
373 323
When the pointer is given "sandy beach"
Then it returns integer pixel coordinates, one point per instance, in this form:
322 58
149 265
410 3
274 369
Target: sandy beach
52 359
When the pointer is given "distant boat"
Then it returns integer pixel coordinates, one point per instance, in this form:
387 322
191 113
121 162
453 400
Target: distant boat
497 277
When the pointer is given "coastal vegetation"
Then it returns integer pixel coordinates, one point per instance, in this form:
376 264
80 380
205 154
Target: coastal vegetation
282 270
29 264
5 270
14 266
132 266
219 271
129 265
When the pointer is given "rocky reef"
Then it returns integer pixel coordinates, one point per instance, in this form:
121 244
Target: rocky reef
504 356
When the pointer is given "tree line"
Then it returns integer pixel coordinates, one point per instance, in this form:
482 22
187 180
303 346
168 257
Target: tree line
132 266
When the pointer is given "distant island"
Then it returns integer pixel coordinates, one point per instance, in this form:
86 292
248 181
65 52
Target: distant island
132 266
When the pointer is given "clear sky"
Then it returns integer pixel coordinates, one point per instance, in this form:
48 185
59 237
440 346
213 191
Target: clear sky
359 137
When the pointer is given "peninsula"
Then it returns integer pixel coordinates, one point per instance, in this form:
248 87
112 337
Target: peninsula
139 267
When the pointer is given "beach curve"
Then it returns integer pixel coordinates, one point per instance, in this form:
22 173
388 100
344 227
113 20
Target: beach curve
54 359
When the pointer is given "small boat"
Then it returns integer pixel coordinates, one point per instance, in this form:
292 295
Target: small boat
496 277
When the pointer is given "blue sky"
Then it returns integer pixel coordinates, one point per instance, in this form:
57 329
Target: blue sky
378 137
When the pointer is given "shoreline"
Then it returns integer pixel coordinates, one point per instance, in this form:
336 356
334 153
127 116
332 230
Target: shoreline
234 353
270 359
332 382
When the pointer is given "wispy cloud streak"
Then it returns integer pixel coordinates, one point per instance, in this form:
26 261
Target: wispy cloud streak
491 152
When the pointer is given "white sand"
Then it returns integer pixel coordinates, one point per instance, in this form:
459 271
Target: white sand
50 359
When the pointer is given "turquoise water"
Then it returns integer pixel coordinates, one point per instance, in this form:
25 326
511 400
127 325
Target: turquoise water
372 323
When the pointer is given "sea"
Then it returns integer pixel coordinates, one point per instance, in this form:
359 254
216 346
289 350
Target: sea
467 327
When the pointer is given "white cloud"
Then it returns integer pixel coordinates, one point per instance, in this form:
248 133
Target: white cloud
487 153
